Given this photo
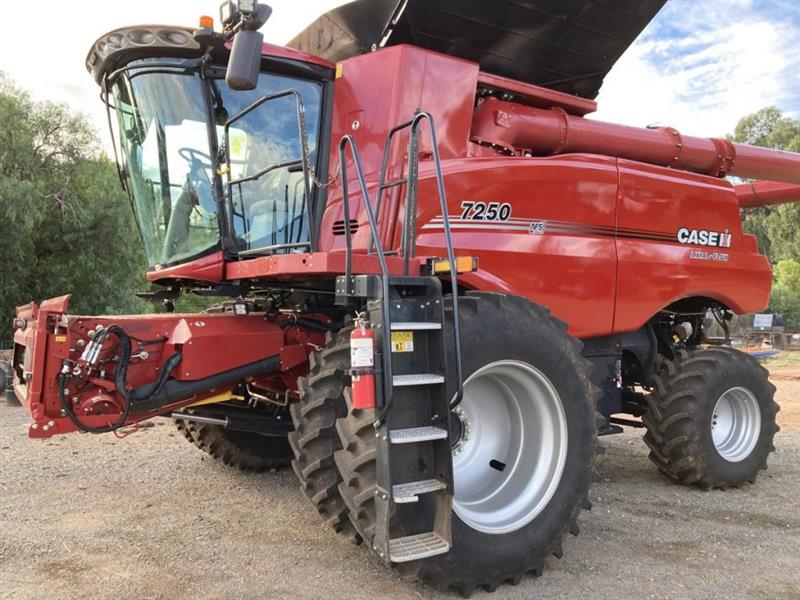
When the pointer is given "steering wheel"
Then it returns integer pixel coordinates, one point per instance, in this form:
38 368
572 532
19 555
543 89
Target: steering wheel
196 157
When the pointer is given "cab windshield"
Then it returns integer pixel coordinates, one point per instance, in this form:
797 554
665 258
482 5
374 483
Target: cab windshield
172 173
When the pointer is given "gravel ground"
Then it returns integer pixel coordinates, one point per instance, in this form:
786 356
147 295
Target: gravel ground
150 516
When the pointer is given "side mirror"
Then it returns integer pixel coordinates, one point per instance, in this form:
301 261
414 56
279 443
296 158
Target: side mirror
245 60
242 21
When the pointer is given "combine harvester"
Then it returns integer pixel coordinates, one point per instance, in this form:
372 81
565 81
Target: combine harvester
439 281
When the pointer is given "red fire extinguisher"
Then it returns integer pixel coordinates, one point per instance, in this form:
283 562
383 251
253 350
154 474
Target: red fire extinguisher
362 364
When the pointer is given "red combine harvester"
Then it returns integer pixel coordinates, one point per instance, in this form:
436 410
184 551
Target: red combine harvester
439 280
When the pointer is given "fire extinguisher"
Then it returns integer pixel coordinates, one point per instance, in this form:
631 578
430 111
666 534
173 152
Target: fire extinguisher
362 364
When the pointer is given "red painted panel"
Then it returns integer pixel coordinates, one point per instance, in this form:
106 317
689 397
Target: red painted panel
653 273
208 268
304 266
381 89
565 265
388 86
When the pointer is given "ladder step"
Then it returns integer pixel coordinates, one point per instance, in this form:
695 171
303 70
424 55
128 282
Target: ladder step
412 435
417 379
415 325
404 493
415 547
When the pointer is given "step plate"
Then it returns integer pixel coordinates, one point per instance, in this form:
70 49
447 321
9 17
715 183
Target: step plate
415 326
415 547
417 379
404 493
413 435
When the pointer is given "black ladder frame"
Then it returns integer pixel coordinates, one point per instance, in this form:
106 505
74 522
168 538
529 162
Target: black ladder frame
408 245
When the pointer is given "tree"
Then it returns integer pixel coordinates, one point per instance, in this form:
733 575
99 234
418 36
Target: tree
768 128
66 224
785 298
776 227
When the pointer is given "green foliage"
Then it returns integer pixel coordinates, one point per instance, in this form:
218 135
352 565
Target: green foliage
192 303
777 228
768 128
787 274
785 297
66 225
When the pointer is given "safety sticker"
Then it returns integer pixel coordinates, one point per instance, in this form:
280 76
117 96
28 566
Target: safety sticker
361 354
402 341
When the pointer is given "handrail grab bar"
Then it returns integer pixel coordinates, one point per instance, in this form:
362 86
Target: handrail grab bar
346 141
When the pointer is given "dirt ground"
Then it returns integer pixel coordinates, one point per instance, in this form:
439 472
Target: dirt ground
784 371
149 516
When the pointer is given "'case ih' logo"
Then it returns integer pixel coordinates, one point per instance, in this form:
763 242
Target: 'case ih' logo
701 237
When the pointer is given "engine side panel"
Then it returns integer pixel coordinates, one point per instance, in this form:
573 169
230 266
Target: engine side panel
542 228
680 235
604 243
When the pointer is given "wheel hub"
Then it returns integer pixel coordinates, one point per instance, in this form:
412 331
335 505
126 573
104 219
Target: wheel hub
512 447
460 430
736 424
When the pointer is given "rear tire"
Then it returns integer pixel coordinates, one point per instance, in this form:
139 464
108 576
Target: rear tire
241 449
496 329
711 418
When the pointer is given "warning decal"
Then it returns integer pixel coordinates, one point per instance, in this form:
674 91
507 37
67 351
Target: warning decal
361 354
402 341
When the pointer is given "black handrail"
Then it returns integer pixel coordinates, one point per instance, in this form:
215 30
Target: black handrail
408 245
382 185
410 250
348 140
408 238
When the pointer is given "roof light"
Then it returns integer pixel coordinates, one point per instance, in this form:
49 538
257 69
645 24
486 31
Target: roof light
206 22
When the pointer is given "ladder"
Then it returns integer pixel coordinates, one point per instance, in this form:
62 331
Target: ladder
417 385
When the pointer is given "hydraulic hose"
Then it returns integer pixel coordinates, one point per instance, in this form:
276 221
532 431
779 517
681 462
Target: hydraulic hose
120 380
62 384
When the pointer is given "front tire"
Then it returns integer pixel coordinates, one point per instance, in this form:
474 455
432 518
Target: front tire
503 337
240 449
711 418
314 439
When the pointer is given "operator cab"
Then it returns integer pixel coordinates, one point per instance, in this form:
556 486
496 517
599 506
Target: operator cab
214 164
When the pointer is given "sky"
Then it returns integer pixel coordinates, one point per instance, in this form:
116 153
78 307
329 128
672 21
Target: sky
699 65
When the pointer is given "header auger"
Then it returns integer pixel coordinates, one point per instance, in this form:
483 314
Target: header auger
434 326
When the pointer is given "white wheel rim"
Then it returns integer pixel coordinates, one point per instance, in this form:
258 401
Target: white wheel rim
736 424
508 467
